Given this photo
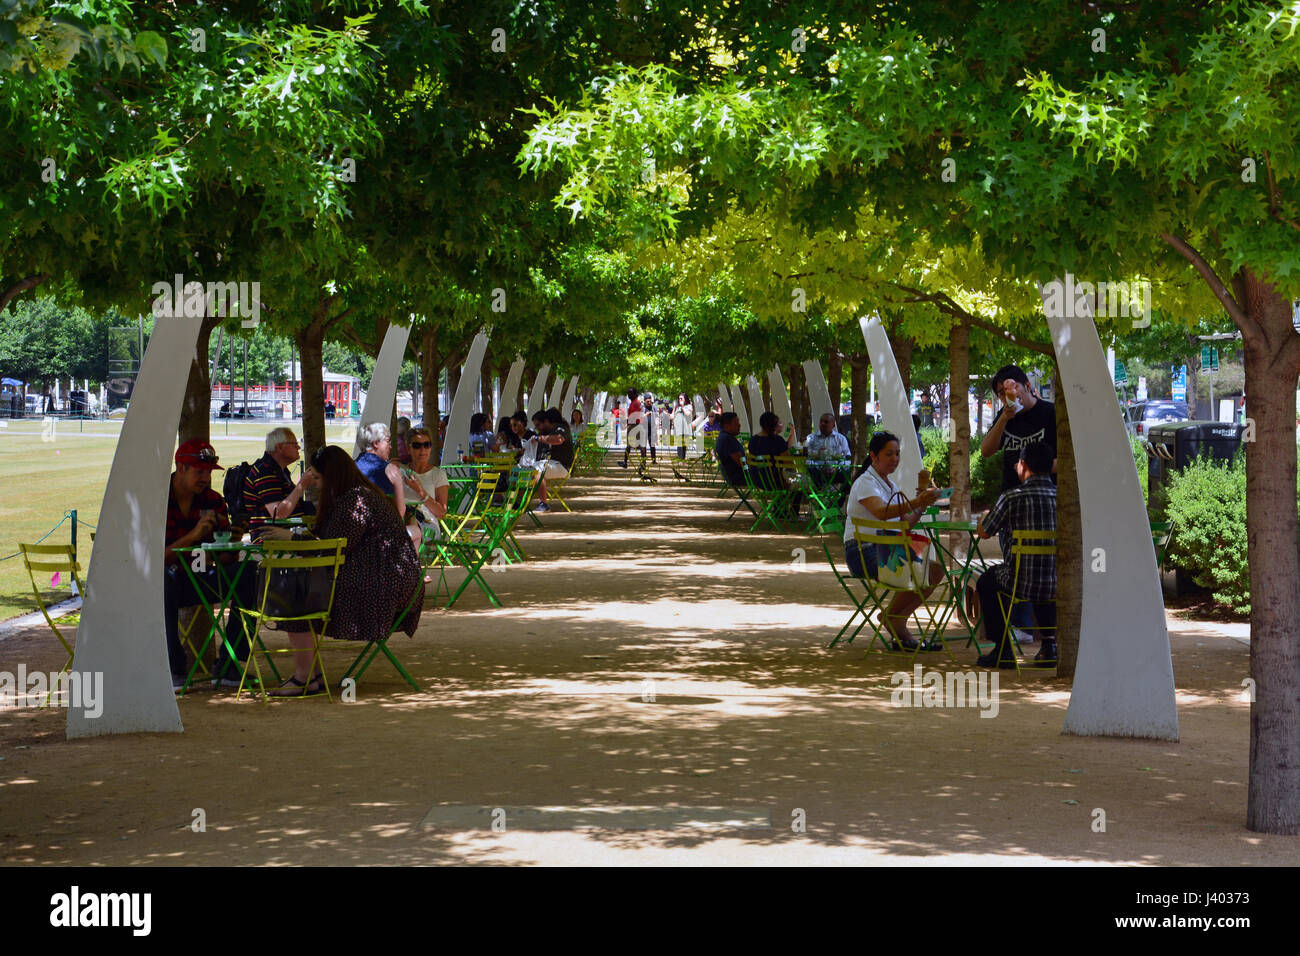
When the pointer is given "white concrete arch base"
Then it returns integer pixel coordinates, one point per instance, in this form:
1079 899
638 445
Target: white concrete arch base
121 632
1124 679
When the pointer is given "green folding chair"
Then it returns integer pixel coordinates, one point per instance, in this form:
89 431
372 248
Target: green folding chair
859 603
762 483
1162 536
373 649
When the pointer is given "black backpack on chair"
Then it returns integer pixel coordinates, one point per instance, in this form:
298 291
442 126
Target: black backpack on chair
233 490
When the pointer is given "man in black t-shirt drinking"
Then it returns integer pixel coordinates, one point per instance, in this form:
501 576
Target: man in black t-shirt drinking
1024 418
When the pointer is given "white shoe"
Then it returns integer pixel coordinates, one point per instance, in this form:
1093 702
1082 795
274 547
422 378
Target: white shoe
1024 637
541 506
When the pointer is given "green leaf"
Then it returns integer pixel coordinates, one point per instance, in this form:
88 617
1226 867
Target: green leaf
151 46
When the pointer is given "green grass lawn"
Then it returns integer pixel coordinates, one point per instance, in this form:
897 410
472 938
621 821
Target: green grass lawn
42 476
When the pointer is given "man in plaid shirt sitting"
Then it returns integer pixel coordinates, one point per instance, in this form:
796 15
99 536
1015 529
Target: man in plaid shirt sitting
1029 506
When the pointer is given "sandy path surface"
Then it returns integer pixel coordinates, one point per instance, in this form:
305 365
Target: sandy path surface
754 728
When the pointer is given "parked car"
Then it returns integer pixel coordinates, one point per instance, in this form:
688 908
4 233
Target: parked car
1140 416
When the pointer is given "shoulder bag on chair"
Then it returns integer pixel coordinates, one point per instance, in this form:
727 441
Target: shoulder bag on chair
894 563
295 592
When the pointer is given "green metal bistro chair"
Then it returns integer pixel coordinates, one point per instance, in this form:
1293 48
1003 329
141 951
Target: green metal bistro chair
295 560
859 603
1162 536
372 649
763 484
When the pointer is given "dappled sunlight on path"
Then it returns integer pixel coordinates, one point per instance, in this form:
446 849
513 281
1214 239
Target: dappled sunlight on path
656 689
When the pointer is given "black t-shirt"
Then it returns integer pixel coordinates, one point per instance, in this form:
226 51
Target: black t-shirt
727 445
1035 424
768 445
563 453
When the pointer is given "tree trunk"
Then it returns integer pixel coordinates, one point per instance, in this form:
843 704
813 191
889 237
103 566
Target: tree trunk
1193 375
311 339
800 399
1069 543
485 390
903 348
959 420
1272 354
453 380
765 389
979 414
519 390
835 379
858 365
196 409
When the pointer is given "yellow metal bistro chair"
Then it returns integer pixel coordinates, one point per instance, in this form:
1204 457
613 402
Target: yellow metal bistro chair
1025 542
298 559
910 577
48 559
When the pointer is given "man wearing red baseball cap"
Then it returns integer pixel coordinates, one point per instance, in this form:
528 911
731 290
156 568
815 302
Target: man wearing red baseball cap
194 512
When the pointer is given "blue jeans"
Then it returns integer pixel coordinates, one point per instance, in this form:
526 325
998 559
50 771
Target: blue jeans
859 561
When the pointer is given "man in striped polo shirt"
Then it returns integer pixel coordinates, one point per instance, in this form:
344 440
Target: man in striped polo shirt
269 491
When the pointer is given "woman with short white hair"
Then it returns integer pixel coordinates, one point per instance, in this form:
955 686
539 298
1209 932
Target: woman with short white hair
374 463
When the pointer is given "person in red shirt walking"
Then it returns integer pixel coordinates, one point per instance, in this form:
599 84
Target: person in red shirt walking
636 426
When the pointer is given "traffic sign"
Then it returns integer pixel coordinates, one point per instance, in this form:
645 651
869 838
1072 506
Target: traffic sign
1178 384
1121 373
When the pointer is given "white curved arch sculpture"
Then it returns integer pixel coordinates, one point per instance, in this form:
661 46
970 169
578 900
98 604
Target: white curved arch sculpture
1124 678
557 393
819 396
462 405
738 403
780 396
895 409
382 393
510 389
121 632
566 408
537 396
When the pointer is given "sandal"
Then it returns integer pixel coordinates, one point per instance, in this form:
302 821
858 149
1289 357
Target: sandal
292 687
316 686
899 643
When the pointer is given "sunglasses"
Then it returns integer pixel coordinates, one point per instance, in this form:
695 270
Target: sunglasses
204 456
421 444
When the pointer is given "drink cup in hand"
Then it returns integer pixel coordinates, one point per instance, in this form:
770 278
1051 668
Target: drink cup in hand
922 481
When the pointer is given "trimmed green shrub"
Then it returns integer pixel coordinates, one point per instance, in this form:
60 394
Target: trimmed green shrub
1140 459
1207 502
